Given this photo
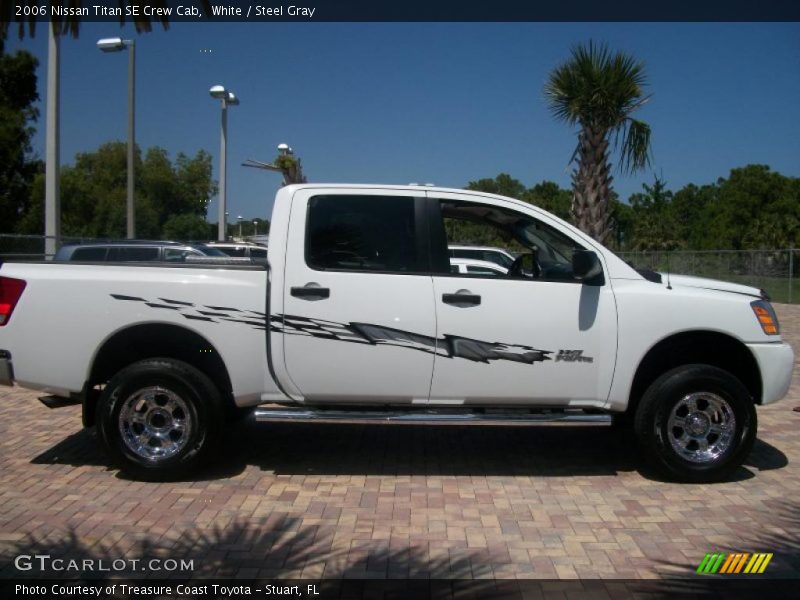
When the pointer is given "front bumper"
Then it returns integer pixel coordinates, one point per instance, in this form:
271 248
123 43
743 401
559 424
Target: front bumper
776 363
6 371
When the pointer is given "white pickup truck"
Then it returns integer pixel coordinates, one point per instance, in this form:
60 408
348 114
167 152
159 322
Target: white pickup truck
357 315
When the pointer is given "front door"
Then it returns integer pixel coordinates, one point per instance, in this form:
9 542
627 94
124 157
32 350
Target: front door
534 335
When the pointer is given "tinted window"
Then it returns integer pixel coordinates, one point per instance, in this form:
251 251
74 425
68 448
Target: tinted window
132 253
481 271
239 251
179 254
502 230
258 253
361 233
89 254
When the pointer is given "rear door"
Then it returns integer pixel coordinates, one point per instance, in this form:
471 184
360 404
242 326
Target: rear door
359 314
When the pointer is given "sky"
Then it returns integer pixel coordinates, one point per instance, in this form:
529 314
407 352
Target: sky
424 102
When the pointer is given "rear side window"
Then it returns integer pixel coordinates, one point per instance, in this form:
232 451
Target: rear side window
362 233
89 254
132 254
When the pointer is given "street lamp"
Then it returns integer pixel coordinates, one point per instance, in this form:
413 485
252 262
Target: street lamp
116 45
226 225
227 98
255 227
240 226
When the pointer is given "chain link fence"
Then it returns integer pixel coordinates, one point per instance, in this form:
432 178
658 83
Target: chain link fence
773 270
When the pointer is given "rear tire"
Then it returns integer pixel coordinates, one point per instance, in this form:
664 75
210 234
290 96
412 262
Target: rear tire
696 423
159 418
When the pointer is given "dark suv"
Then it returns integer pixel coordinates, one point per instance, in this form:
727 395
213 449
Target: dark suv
134 251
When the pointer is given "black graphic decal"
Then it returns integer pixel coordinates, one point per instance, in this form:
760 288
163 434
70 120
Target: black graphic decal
157 305
573 356
121 297
448 346
176 302
197 318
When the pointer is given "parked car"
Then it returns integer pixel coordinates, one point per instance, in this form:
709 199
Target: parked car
135 251
498 256
254 252
357 315
477 267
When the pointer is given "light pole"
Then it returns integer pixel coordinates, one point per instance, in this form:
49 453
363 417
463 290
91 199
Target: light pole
240 226
52 202
226 226
255 227
116 45
227 98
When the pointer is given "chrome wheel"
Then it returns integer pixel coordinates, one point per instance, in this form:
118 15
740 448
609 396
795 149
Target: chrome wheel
155 423
701 427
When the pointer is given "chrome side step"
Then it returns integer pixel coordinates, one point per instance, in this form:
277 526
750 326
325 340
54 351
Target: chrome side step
429 417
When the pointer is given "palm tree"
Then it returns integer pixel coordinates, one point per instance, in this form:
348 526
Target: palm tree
598 91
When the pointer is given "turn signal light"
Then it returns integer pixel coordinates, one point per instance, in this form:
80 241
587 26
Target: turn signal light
10 291
766 317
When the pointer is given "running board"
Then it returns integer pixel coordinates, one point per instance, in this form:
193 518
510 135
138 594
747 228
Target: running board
430 417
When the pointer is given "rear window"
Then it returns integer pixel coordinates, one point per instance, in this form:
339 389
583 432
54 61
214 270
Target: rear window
362 233
89 254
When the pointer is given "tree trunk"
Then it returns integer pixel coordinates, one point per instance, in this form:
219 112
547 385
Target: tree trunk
591 184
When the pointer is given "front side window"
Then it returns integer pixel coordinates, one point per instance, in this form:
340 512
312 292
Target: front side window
498 234
362 233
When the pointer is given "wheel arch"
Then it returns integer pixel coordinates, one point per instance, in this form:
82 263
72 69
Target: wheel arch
153 340
697 347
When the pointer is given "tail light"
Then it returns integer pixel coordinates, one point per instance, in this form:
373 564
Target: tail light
10 292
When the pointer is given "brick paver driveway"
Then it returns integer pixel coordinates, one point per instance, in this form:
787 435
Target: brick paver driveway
295 500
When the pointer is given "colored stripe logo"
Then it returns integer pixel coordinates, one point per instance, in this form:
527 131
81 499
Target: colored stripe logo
734 563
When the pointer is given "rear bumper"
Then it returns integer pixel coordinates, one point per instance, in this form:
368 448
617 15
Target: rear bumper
6 370
776 362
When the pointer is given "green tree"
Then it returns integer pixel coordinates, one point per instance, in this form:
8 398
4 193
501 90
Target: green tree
598 91
503 185
187 226
552 198
653 220
755 208
18 168
93 192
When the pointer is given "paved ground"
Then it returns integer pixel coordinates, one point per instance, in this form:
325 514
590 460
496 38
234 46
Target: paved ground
377 501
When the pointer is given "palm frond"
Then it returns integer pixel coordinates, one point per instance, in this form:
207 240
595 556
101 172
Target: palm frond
635 149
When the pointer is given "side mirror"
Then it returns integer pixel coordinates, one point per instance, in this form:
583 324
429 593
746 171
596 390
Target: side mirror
586 267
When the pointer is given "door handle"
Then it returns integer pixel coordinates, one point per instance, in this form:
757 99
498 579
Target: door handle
461 299
311 292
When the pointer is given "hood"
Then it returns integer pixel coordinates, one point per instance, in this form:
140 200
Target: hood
709 284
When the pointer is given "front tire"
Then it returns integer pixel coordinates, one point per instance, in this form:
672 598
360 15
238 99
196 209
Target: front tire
159 418
696 423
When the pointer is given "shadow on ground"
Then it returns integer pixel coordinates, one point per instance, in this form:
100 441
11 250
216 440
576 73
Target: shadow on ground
344 449
265 548
778 533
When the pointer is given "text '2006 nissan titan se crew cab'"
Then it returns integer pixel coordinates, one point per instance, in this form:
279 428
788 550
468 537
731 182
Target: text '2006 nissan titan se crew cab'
357 315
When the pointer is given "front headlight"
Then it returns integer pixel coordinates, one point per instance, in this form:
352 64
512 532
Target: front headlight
766 317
